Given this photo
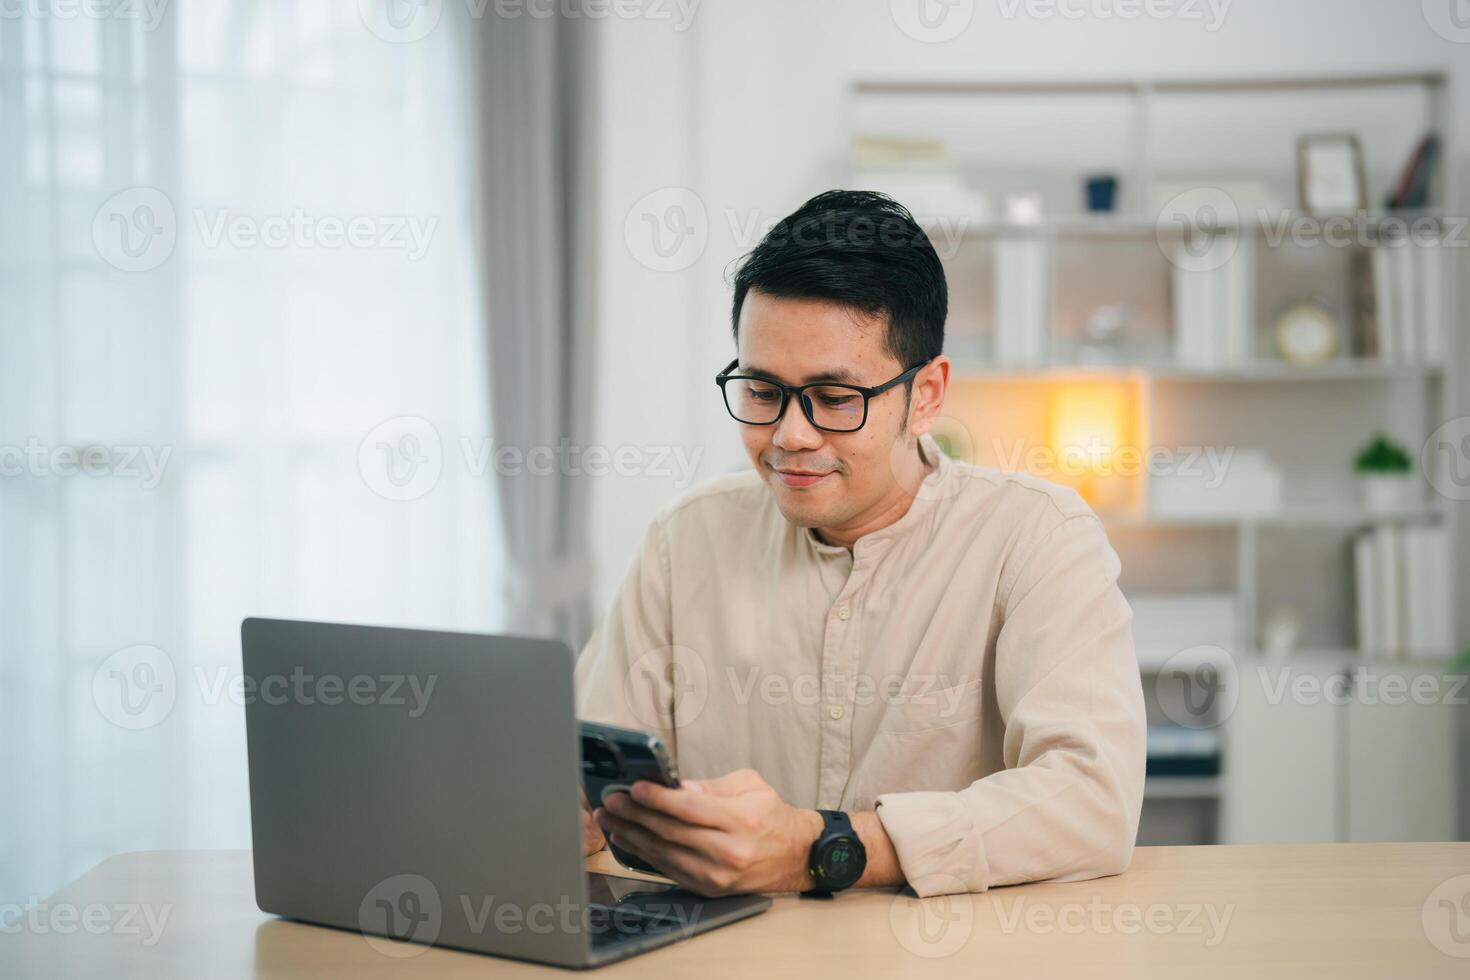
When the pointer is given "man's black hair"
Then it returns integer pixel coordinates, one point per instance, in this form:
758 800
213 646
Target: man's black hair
860 249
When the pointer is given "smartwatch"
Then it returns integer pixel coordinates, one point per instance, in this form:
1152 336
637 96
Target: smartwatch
838 857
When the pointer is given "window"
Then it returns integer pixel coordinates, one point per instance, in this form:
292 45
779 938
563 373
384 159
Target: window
239 311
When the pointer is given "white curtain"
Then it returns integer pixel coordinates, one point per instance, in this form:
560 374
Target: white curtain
241 373
533 79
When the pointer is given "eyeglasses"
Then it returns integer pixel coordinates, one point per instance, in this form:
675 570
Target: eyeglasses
829 407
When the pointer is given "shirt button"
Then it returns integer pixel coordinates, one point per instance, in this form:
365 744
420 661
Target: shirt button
844 613
836 712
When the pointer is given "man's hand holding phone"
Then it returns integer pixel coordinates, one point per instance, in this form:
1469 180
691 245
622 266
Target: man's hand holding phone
716 837
592 839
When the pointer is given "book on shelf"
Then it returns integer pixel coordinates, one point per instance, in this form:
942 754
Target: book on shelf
1431 295
1213 294
1385 304
1022 300
1412 190
1364 298
1401 303
1401 584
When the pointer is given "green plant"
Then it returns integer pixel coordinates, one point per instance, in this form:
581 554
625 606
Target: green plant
1381 456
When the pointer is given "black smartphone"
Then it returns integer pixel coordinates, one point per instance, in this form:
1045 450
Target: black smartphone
613 759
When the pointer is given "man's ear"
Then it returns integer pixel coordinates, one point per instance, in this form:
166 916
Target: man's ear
927 399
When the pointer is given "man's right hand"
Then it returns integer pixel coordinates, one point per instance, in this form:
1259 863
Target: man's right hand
592 839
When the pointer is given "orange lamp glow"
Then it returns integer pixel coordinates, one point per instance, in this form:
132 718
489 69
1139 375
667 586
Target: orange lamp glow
1088 423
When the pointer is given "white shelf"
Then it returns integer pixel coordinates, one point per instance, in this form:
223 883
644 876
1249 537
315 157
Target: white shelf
1344 369
1126 225
1329 516
1354 369
1151 661
1319 659
1182 787
1139 86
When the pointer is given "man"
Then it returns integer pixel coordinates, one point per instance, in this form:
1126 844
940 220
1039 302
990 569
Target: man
863 637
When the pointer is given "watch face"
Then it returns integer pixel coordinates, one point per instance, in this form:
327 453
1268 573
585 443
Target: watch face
842 862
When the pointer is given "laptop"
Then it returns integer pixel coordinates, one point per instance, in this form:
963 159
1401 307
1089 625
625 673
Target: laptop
421 787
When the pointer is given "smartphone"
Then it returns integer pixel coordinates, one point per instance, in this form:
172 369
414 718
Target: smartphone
613 759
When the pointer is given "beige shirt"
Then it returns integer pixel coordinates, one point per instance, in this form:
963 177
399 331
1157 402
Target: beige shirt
968 670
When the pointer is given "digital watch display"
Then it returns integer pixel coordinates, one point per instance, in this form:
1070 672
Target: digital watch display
837 858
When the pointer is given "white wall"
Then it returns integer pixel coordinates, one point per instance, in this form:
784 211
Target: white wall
747 109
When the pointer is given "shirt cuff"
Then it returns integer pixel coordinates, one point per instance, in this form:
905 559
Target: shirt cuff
937 845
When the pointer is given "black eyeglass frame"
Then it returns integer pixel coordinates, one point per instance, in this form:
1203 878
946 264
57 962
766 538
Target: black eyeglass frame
787 391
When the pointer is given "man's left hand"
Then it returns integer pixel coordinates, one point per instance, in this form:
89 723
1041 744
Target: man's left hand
716 836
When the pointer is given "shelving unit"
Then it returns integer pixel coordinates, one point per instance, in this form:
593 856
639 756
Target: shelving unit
1153 132
1258 371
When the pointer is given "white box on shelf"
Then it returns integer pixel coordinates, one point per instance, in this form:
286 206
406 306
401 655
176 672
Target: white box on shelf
1022 299
1215 483
1166 626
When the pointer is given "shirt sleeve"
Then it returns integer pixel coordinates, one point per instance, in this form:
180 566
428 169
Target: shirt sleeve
1066 806
626 674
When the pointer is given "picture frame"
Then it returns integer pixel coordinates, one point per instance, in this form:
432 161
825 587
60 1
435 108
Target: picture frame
1331 179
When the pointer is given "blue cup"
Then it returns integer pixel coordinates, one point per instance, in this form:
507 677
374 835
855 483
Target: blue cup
1102 193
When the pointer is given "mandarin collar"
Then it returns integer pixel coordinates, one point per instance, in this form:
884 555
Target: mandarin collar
930 491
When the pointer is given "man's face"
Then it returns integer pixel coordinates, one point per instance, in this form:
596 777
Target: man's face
824 479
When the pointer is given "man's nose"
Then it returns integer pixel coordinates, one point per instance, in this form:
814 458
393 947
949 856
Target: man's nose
795 431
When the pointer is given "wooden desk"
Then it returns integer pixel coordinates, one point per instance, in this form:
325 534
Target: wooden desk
1338 910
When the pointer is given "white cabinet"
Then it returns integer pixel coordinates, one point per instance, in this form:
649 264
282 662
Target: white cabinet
1333 751
1401 755
1283 779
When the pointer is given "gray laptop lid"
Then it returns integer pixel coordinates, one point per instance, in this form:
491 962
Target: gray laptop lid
416 784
